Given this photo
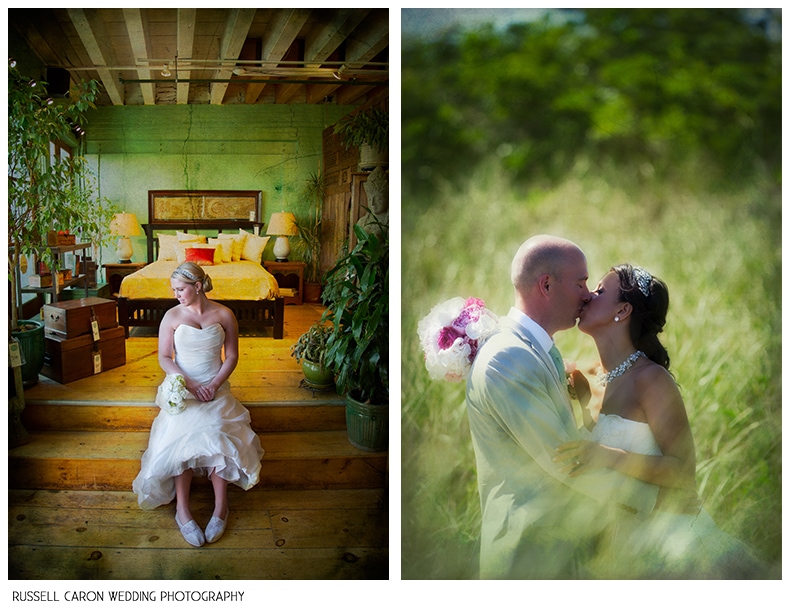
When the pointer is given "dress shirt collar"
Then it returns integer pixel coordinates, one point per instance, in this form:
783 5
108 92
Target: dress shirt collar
544 340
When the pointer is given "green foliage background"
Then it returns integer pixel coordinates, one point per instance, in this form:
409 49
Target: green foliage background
645 136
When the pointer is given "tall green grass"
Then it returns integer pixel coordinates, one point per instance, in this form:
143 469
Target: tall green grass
718 250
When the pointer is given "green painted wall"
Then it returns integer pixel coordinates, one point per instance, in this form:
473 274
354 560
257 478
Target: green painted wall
271 148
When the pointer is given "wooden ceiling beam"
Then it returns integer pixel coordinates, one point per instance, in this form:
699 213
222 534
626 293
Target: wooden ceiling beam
236 30
88 26
133 18
368 41
185 44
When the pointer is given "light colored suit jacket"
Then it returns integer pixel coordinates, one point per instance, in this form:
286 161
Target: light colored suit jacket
519 412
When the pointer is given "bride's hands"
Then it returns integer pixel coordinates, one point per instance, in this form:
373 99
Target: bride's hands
205 393
582 455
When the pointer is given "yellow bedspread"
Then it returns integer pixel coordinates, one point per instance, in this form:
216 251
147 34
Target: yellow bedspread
242 280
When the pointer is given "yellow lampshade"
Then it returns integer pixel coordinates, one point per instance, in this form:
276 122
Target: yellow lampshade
125 225
282 223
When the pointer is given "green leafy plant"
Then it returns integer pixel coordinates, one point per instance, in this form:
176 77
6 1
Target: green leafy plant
45 193
308 246
356 293
369 127
311 345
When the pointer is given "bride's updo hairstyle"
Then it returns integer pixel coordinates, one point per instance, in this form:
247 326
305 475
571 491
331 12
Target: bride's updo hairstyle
649 298
189 272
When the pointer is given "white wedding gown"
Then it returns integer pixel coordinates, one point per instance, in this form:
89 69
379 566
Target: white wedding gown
667 545
205 436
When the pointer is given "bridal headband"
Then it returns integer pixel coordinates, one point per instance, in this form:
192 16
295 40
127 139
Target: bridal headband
643 279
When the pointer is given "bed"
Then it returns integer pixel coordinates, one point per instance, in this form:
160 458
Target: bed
221 230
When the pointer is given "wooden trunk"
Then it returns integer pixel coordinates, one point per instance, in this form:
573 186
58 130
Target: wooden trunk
72 318
71 359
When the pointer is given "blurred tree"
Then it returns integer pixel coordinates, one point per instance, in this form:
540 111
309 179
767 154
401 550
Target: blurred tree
634 86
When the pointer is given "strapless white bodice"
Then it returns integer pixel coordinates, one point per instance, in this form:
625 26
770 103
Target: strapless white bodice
632 436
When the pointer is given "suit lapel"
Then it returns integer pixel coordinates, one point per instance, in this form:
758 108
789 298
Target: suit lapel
532 344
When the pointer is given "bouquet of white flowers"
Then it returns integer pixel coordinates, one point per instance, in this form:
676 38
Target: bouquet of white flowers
171 394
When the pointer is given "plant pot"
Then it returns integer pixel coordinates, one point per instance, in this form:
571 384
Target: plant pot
317 375
367 425
33 346
312 292
370 158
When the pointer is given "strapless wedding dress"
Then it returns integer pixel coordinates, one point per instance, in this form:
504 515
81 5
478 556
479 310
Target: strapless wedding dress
668 544
205 436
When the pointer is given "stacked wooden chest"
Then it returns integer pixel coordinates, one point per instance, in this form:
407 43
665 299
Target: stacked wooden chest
83 338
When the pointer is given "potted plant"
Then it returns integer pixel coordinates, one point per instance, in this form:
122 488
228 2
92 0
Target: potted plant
308 246
310 352
367 130
43 193
356 293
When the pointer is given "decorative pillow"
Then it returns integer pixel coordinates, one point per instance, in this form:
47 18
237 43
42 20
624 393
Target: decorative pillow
204 256
190 238
238 244
224 249
253 246
167 247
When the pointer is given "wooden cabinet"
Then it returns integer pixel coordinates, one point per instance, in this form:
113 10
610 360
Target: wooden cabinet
290 278
117 271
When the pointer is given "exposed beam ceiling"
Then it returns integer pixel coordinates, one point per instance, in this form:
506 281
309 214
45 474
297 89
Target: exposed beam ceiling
145 56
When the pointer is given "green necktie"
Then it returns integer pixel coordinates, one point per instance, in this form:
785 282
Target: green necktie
557 359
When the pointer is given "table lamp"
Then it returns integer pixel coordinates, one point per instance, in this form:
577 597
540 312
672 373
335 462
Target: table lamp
125 225
282 224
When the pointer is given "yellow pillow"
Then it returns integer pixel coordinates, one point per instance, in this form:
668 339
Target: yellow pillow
238 244
190 238
224 249
253 246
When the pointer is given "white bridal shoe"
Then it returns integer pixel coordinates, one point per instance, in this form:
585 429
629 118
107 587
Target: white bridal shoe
192 533
215 528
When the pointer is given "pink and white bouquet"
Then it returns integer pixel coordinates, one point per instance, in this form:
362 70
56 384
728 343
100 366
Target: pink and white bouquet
451 335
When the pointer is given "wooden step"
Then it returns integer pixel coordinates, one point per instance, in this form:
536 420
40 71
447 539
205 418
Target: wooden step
325 412
271 534
110 460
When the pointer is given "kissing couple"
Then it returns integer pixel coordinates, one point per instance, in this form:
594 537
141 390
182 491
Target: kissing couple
614 498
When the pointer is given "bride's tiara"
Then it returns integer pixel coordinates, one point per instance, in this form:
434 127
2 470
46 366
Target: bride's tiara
643 279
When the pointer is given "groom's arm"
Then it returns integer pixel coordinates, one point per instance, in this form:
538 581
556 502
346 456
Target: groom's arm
530 414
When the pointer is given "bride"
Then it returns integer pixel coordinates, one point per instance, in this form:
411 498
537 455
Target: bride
643 431
212 434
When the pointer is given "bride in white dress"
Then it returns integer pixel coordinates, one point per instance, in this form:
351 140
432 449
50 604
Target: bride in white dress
212 435
643 431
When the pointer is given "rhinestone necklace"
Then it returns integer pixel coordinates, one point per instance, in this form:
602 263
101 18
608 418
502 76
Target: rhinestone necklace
608 377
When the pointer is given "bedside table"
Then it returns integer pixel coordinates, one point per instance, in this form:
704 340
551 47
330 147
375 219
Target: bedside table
116 272
289 276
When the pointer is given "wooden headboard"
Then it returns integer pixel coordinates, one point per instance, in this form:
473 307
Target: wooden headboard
201 210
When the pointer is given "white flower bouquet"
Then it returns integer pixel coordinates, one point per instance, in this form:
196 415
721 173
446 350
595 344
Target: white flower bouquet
171 394
452 333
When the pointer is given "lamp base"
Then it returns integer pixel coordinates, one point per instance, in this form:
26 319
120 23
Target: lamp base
281 249
129 261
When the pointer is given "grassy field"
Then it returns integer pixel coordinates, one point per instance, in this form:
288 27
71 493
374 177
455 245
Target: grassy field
720 254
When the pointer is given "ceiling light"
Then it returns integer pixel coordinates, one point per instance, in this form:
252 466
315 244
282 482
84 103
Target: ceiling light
165 71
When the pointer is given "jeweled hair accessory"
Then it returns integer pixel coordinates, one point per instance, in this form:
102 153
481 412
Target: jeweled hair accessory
643 279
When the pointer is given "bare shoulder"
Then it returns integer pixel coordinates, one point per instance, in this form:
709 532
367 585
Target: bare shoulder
225 315
657 388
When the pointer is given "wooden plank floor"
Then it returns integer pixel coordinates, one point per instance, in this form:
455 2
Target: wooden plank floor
275 531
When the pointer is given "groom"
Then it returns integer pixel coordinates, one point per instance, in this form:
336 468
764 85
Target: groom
537 522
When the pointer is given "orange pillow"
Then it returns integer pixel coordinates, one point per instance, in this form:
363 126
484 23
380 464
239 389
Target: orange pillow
204 256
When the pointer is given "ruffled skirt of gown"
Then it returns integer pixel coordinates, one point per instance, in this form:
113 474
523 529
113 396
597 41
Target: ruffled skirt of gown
206 436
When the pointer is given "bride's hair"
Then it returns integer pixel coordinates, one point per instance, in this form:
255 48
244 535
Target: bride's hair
649 310
189 272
